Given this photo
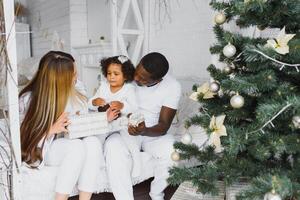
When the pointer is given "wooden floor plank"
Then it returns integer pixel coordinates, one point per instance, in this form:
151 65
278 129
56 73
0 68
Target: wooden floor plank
140 191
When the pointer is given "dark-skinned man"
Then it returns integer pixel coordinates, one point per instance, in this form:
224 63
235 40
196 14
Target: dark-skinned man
158 94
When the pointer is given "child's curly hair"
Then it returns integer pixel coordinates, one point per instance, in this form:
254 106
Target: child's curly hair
126 66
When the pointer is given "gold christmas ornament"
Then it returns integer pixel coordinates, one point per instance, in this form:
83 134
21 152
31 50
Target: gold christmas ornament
220 18
227 69
229 50
175 156
237 101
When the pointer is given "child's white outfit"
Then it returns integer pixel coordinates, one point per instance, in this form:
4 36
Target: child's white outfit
78 159
127 96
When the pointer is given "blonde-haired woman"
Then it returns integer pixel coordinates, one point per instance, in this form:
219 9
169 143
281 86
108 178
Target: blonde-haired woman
45 104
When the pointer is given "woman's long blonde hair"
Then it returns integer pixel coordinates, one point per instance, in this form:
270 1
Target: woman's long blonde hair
50 89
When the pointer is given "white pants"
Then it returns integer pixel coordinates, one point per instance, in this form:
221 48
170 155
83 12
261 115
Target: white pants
133 145
78 161
119 164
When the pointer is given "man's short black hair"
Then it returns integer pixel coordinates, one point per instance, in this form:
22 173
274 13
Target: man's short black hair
126 67
156 64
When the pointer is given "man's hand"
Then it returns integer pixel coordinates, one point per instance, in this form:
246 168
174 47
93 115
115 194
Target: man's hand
98 102
137 130
117 105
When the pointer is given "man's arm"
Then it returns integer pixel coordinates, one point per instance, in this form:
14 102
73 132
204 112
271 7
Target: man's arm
166 117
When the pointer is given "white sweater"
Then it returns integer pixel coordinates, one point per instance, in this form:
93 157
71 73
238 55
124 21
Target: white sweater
126 95
71 108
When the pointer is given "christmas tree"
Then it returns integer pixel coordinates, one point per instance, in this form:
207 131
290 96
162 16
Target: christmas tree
251 108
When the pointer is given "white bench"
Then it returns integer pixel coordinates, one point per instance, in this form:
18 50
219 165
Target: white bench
39 184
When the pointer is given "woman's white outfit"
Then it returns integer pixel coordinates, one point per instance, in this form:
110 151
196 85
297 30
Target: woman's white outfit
78 159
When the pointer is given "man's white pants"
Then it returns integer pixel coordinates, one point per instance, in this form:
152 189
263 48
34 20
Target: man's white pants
119 164
78 161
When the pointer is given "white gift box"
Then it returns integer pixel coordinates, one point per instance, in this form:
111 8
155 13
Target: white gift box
233 190
136 118
88 124
186 191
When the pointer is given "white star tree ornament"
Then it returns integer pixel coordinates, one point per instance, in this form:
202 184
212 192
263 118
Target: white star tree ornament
204 90
280 44
217 125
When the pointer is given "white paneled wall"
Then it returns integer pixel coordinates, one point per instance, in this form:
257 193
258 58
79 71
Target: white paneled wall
185 40
99 20
47 17
78 22
23 41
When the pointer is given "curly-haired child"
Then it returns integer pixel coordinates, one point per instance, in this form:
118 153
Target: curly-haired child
118 93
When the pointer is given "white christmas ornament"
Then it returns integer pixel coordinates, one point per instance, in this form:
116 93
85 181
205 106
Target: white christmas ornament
229 50
237 101
296 121
272 196
186 138
175 156
220 18
214 87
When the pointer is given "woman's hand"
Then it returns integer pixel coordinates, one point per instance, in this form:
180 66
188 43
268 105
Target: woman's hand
59 125
98 102
117 105
112 114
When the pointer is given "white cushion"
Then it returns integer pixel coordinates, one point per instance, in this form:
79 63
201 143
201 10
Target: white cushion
40 184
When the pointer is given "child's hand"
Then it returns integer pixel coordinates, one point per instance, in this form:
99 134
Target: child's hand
117 105
98 102
59 125
112 114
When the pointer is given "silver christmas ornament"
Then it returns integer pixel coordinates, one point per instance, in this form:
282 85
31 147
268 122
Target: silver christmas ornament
229 50
296 121
237 101
214 87
186 138
227 69
175 156
220 18
272 196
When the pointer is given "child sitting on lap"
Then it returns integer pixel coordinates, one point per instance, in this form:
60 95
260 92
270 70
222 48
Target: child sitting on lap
117 93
